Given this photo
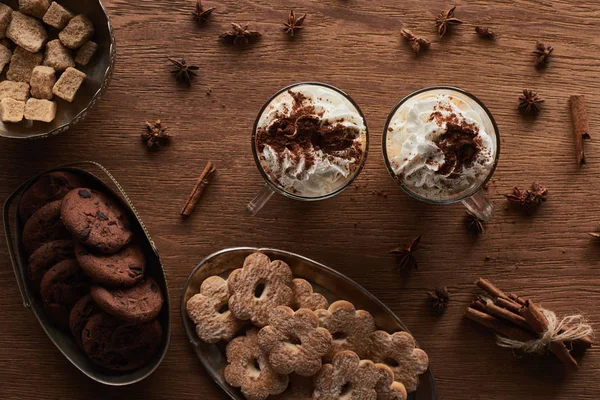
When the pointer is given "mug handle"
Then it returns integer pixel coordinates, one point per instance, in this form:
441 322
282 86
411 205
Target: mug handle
259 201
480 206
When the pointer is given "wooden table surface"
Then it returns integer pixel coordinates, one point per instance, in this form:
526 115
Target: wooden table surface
356 46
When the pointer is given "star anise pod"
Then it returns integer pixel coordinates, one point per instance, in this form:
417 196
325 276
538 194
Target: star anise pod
474 224
406 256
542 53
445 19
528 198
240 35
417 43
529 102
292 24
438 299
184 72
485 33
155 134
200 14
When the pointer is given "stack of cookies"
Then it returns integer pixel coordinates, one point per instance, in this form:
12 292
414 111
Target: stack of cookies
89 270
287 342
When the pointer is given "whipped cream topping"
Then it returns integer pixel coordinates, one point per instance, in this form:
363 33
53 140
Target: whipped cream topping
439 145
311 140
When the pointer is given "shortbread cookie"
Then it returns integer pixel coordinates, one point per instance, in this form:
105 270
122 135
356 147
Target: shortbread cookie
44 226
80 314
48 187
62 286
122 269
294 341
209 310
258 287
398 352
387 388
351 329
299 388
249 370
348 378
96 220
46 256
305 298
137 304
120 346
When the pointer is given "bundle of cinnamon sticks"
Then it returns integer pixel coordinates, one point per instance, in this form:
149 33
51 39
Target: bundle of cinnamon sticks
515 318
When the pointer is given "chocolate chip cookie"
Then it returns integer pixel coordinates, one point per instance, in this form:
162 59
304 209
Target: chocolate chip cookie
80 314
44 226
61 287
124 269
47 256
48 187
118 345
140 303
96 220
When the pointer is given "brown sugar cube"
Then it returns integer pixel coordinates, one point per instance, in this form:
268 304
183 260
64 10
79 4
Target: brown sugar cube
22 64
27 32
58 56
85 53
68 84
35 8
5 56
40 110
42 82
14 90
5 17
78 31
57 16
11 110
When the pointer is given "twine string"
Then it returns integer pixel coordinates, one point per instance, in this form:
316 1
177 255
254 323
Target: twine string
568 329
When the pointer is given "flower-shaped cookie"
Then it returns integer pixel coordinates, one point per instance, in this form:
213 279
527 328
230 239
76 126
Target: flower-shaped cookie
351 329
348 378
387 388
249 369
258 287
294 341
209 311
299 388
398 352
305 298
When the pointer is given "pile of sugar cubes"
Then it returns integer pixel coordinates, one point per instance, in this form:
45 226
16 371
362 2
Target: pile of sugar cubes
34 76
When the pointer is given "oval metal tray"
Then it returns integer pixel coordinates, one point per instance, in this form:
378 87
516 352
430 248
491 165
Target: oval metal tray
332 284
63 340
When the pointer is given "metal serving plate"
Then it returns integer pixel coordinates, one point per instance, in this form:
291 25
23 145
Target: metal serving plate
333 285
98 71
63 340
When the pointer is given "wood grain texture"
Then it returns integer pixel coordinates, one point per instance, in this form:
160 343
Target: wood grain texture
356 46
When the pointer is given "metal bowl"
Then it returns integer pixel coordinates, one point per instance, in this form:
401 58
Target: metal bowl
63 340
98 71
332 284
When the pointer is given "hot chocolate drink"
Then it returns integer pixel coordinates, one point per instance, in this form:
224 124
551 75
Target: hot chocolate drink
310 140
441 144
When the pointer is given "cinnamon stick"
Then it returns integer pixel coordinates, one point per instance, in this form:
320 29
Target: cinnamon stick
516 299
492 290
499 326
539 323
504 314
479 304
508 304
581 125
201 184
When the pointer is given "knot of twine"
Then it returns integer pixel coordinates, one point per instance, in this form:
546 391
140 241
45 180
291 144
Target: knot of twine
570 328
